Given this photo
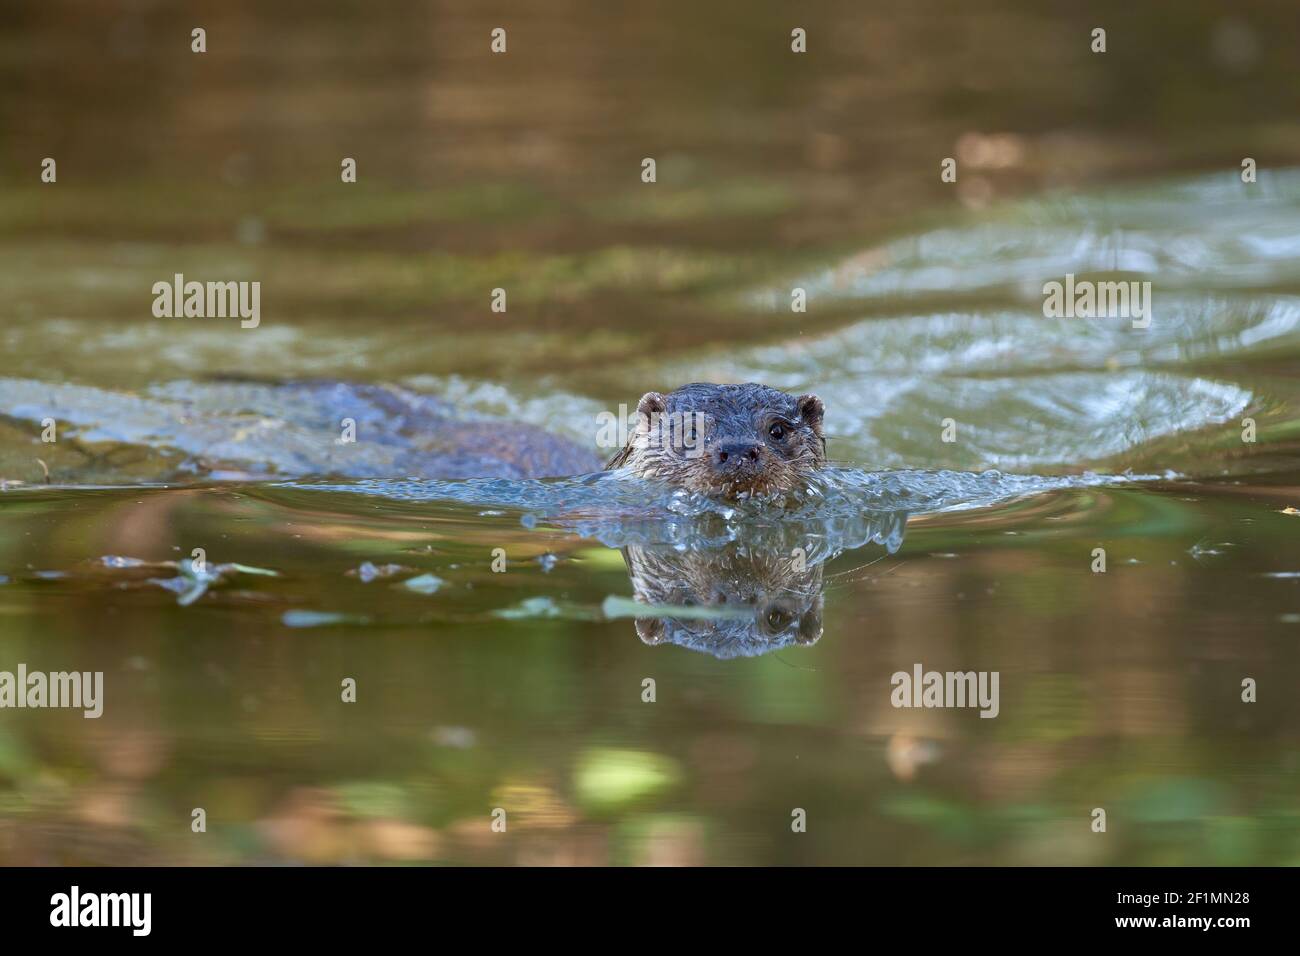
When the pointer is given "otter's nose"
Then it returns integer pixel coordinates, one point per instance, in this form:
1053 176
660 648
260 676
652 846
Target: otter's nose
736 454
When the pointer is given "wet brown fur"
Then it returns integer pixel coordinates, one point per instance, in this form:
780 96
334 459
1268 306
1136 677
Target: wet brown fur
726 441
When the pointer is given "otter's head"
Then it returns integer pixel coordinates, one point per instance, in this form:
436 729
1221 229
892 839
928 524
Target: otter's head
726 441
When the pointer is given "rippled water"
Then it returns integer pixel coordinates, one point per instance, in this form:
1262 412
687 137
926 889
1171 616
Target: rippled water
501 632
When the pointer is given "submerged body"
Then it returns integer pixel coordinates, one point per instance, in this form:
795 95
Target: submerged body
443 444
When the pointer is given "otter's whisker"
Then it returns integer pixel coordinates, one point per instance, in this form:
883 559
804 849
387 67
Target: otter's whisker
855 570
798 667
841 574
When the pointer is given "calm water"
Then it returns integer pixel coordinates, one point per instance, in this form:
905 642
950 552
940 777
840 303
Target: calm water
522 686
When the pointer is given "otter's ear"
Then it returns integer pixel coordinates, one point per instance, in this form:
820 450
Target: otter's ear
811 410
652 403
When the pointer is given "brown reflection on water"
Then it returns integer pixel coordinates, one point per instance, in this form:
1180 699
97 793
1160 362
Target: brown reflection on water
1118 690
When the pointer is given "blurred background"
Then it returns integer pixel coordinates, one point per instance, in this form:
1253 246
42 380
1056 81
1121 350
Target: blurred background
774 170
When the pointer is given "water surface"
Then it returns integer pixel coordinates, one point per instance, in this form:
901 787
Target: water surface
501 632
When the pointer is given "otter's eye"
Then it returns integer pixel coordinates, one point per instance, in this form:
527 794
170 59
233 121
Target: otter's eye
777 431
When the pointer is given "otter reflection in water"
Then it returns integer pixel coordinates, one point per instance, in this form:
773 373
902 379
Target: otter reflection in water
746 597
763 601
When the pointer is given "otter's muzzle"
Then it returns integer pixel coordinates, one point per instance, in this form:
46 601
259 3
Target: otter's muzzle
737 457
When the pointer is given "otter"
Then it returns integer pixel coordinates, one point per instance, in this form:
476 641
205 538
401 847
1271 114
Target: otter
726 441
723 441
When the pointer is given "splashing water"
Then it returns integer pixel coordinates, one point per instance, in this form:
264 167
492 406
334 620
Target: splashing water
840 509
